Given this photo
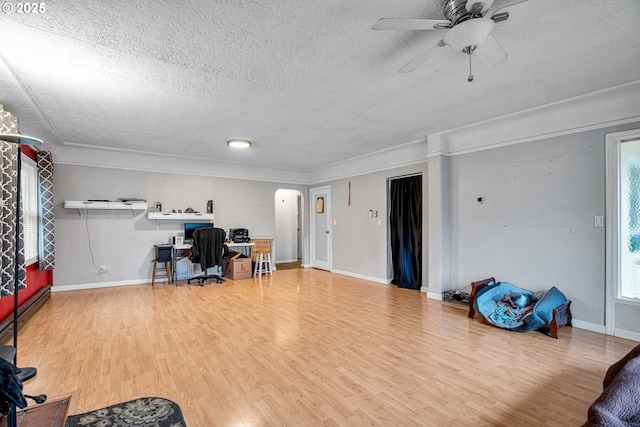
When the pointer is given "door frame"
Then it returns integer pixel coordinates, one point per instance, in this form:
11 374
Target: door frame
313 192
612 230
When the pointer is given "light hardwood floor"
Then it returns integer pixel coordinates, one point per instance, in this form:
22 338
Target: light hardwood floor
305 348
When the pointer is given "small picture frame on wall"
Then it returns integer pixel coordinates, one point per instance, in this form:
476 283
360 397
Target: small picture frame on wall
179 240
158 207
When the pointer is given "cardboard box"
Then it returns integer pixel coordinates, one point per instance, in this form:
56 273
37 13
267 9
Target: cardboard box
237 267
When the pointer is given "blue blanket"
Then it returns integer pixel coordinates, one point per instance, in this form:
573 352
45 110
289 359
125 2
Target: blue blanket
509 307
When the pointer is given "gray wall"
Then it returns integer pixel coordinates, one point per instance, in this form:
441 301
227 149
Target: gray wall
535 228
123 241
359 244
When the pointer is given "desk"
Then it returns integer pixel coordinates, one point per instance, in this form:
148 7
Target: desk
243 248
177 252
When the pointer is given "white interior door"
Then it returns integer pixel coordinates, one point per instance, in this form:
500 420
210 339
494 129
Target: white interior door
320 224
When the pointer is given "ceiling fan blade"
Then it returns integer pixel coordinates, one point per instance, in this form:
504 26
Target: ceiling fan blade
500 6
420 59
486 4
410 24
490 52
529 9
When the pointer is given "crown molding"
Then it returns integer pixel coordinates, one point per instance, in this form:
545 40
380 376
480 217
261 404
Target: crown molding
609 107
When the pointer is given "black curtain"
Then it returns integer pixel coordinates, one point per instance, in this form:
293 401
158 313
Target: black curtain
405 219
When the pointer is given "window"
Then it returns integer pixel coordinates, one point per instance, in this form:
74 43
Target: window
630 219
29 188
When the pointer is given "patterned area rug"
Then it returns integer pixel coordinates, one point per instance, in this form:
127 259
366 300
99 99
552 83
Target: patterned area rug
143 412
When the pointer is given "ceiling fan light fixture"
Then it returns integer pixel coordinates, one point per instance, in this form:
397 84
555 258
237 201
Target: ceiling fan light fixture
469 33
239 143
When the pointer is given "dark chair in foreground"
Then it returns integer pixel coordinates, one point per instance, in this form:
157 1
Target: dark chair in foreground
208 250
11 379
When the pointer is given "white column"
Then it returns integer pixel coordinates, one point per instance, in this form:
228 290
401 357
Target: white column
439 218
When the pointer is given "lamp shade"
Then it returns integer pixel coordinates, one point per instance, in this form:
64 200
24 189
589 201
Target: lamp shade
20 139
469 33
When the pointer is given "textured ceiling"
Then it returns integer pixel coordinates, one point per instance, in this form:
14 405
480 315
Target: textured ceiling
308 82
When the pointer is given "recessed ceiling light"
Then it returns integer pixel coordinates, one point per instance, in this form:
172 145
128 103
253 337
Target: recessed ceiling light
238 143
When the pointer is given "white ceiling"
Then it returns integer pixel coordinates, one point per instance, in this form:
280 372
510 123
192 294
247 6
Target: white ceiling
310 83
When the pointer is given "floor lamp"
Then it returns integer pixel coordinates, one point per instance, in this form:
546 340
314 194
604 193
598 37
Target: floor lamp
20 140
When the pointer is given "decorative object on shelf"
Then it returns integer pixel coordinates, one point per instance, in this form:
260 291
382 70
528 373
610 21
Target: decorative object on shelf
179 240
209 206
189 210
158 207
130 199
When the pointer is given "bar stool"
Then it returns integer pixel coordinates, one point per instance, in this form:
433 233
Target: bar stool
167 270
263 262
163 256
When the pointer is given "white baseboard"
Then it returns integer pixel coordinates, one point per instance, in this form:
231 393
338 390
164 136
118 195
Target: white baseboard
594 327
433 295
362 276
58 288
629 335
285 260
305 265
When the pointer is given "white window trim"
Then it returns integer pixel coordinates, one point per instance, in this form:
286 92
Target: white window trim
612 230
26 160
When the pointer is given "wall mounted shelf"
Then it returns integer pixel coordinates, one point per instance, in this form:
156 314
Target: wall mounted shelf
180 216
87 204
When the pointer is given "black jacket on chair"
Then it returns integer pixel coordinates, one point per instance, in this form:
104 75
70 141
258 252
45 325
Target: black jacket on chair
208 247
10 387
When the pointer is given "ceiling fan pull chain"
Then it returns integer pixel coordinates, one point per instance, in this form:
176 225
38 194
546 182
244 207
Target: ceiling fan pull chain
470 78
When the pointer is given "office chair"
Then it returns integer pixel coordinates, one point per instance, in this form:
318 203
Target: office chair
208 250
11 379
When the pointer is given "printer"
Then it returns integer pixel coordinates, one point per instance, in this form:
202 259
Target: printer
239 235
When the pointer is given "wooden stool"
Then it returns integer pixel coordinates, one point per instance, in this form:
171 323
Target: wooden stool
263 262
167 270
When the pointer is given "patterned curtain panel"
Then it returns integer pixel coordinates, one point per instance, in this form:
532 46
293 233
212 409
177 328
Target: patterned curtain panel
9 201
46 232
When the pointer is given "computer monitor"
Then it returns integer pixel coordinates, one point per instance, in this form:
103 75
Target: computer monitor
190 227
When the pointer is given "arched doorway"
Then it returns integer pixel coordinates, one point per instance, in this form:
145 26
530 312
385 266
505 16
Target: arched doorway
288 229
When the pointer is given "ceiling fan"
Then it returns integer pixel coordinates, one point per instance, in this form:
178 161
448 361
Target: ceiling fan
469 25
